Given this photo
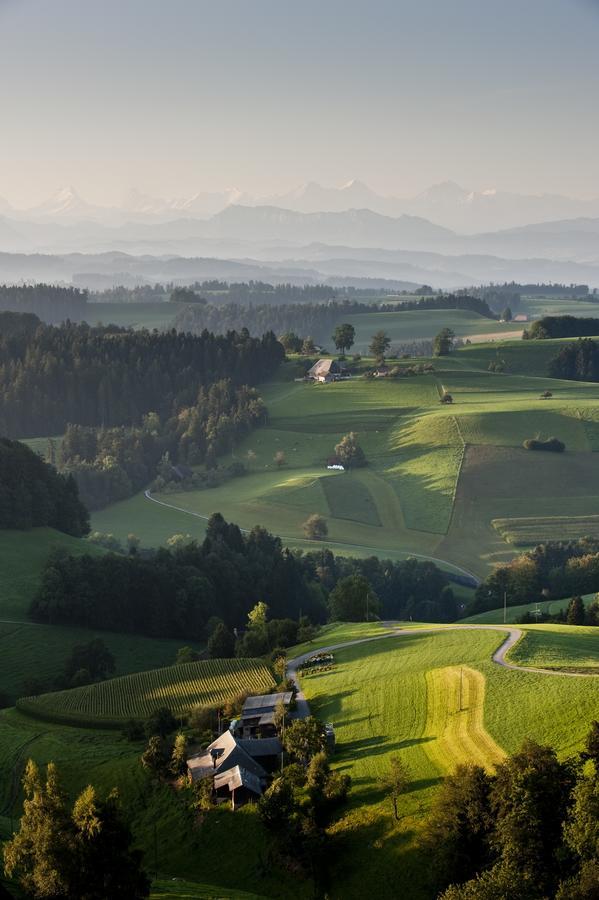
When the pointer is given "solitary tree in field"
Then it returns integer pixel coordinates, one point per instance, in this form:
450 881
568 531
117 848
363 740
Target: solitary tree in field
308 346
344 337
349 453
507 314
395 782
443 342
315 527
379 345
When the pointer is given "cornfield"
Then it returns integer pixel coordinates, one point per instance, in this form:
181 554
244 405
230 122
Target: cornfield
111 703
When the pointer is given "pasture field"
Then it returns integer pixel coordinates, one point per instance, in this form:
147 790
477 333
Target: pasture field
133 315
527 531
513 613
548 646
113 702
31 650
22 556
401 696
422 324
438 479
389 696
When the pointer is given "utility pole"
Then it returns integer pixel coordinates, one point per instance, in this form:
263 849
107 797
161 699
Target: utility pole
461 682
504 607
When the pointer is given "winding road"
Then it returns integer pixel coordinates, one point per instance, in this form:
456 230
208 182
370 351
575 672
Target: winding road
513 636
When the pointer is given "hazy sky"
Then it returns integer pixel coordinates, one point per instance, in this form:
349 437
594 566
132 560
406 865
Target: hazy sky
176 96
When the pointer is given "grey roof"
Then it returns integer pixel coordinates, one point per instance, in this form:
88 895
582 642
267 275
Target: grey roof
265 702
230 754
236 778
323 367
261 746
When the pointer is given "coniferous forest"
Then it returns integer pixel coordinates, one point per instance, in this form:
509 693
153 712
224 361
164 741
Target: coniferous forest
109 376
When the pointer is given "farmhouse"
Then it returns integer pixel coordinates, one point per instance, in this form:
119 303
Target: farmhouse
221 755
325 370
237 784
257 719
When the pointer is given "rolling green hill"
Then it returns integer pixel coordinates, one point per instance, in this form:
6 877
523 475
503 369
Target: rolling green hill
445 482
400 696
397 695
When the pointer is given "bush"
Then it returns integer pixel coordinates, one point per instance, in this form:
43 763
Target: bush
161 722
552 444
315 527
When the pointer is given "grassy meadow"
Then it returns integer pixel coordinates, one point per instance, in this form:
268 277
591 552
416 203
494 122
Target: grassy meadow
451 483
402 696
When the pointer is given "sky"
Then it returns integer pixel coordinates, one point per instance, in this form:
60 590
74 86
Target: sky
262 95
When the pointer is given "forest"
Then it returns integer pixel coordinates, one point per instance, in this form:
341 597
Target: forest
316 320
577 362
175 592
49 302
108 376
562 327
110 464
33 494
554 569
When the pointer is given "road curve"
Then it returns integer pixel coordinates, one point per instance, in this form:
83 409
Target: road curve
513 636
374 550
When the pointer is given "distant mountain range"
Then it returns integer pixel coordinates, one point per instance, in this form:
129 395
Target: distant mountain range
66 237
310 264
446 204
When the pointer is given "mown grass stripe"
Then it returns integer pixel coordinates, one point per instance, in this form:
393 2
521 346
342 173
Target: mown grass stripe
455 720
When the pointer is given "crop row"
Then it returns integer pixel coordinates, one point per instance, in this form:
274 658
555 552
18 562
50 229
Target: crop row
203 683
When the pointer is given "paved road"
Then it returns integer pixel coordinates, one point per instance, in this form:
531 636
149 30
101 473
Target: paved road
513 635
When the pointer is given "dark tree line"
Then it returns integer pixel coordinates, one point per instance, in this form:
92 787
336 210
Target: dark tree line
111 376
110 464
577 362
315 319
33 494
49 302
176 592
562 327
527 832
555 569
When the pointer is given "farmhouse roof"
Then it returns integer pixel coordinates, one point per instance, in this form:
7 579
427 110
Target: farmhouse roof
324 367
221 755
236 778
257 747
263 703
